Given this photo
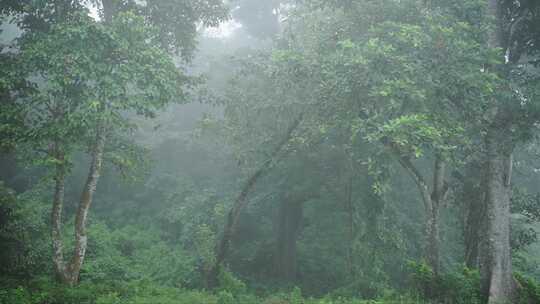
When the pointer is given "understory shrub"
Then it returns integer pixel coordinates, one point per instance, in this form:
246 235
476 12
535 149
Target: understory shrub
455 288
528 291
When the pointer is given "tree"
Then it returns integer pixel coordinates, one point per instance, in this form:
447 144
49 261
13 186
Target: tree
511 119
87 75
393 89
265 114
241 201
86 80
294 192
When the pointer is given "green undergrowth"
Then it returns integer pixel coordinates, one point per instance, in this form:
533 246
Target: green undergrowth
426 288
45 292
463 287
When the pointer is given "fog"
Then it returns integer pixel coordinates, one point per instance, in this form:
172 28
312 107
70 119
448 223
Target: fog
269 151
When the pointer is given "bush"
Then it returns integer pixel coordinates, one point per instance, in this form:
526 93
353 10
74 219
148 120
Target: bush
457 288
17 295
131 254
363 288
47 292
228 282
24 234
529 290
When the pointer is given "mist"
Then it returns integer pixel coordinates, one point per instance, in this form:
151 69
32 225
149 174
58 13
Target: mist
269 151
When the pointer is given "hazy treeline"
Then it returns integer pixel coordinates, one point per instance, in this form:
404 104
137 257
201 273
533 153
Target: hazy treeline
279 151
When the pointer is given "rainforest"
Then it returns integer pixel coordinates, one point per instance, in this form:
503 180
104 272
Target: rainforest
269 151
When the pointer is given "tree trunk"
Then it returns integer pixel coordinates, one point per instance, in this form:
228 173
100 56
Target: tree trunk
109 8
241 201
496 265
474 200
288 226
81 239
432 202
69 274
350 222
56 217
432 249
438 197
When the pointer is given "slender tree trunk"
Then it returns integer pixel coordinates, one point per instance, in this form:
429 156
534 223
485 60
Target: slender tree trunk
432 250
288 226
350 222
56 217
432 199
81 239
69 273
240 203
438 197
474 200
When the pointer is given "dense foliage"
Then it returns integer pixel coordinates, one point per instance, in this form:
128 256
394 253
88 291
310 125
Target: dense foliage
322 152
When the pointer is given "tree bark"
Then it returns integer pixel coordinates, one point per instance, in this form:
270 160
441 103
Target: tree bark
474 202
496 265
240 203
438 197
81 239
56 216
288 223
432 199
69 273
496 261
350 222
109 8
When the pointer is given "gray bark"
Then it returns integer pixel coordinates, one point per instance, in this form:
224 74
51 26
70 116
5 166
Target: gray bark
433 200
350 222
474 196
438 195
288 223
69 273
81 239
56 217
240 203
496 263
109 8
